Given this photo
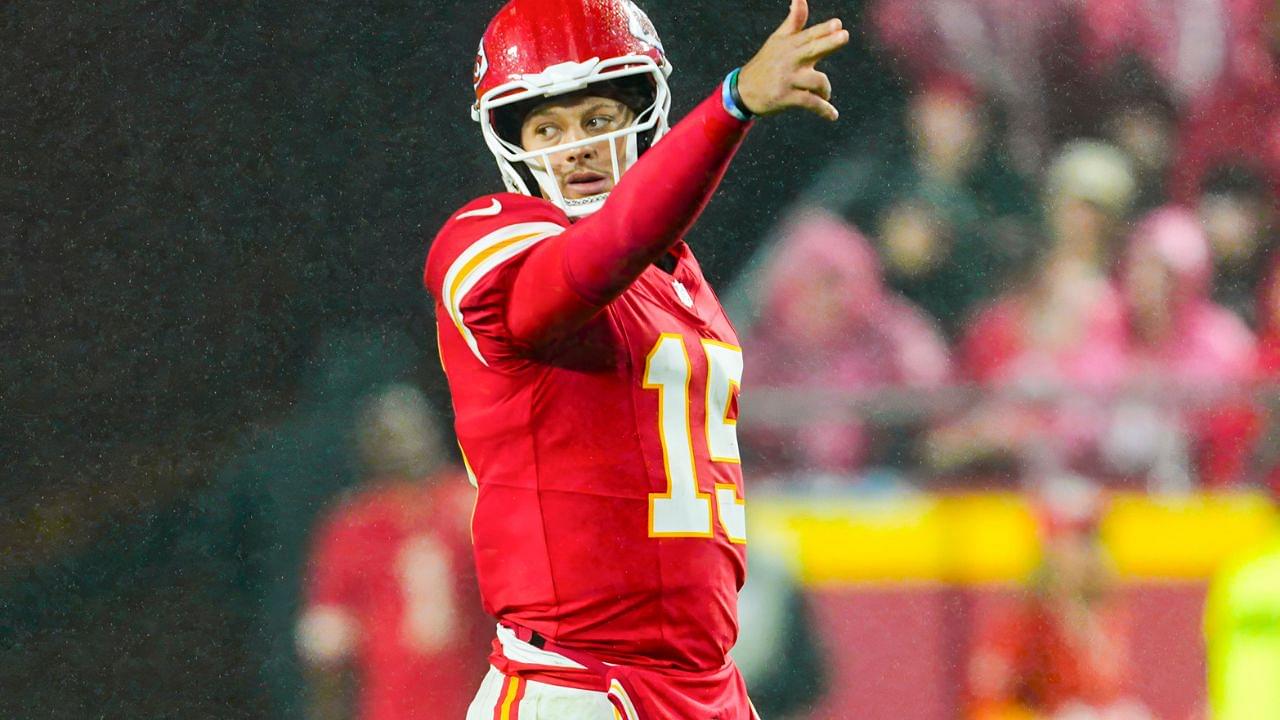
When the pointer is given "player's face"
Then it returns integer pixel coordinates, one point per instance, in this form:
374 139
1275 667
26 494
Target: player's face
585 170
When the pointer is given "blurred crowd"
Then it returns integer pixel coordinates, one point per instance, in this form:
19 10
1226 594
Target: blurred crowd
1076 214
1055 270
1058 270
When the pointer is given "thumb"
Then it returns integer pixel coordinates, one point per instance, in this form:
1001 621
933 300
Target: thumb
797 17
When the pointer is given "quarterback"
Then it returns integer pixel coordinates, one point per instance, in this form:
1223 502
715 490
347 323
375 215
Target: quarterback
594 374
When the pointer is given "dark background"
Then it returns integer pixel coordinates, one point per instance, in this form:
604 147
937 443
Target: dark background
193 196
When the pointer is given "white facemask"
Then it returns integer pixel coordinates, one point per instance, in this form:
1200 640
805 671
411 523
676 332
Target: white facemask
560 80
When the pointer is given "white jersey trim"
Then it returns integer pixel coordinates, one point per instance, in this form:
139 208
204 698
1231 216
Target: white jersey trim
517 650
481 258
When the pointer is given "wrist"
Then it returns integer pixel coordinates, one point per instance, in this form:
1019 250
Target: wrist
732 99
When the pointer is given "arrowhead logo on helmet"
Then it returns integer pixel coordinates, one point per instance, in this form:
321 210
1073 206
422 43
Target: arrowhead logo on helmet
594 41
482 67
641 27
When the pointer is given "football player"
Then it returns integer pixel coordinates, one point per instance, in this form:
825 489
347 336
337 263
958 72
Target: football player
390 604
594 374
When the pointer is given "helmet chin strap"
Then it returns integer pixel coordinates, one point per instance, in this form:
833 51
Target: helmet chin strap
581 207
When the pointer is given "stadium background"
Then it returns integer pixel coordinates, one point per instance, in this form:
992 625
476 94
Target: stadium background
205 203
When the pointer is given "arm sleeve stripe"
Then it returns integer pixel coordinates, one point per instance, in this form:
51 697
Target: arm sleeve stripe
485 255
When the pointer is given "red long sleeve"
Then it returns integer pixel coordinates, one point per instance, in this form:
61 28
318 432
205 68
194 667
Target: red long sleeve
569 278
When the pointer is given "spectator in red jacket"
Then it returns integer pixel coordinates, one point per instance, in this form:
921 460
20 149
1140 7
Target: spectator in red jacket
1062 326
1062 650
1178 332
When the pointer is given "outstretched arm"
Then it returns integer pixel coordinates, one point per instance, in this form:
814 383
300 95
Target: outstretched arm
569 278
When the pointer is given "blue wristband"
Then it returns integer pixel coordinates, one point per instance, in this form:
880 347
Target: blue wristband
731 99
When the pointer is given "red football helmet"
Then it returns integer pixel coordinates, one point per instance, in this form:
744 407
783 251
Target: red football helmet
544 48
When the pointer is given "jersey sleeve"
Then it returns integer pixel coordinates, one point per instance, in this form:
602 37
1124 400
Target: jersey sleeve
474 262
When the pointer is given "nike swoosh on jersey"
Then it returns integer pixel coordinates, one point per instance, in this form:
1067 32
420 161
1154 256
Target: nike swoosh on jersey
493 209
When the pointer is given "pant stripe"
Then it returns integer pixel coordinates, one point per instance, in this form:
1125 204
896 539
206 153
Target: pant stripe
515 707
508 707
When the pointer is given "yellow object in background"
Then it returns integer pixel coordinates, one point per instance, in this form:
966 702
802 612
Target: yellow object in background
1242 637
1184 538
978 538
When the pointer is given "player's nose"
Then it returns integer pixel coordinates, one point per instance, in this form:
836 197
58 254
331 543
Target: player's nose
573 157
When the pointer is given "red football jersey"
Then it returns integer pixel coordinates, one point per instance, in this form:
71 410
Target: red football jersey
610 515
393 565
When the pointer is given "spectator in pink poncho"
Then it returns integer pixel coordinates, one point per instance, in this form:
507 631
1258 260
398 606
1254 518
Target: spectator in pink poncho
1182 343
1178 333
828 323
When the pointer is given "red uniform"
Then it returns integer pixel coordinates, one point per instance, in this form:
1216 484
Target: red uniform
393 565
1031 659
610 517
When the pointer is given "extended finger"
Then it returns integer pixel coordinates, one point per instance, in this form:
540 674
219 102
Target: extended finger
797 16
817 31
815 82
816 105
823 45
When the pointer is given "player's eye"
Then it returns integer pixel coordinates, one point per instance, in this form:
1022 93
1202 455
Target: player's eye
546 131
598 123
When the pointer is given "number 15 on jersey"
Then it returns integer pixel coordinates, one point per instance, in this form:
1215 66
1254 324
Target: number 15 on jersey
683 510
